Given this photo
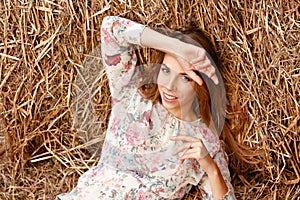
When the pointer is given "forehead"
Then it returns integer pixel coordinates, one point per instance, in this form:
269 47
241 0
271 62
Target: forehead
171 62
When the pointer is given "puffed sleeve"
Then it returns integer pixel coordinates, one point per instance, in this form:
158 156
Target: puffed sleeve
204 184
118 38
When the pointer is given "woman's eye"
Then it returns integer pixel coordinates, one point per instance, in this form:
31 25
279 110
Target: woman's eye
186 78
165 69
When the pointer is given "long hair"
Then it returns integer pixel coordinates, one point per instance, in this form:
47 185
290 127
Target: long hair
211 102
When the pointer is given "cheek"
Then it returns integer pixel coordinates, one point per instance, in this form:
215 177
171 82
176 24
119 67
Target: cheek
162 79
186 89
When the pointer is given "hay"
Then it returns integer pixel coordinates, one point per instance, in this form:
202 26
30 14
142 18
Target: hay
42 48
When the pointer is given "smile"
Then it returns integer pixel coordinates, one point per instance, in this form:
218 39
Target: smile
169 98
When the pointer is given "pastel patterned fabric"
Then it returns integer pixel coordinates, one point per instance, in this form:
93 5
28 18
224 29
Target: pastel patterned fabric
136 160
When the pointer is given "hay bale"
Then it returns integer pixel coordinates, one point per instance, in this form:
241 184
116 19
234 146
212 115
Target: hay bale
42 49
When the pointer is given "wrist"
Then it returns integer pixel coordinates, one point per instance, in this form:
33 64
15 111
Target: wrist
213 170
209 166
173 46
178 48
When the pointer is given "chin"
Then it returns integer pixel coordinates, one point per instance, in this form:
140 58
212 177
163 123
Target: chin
169 106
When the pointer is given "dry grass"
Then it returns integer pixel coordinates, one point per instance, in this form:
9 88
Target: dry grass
42 48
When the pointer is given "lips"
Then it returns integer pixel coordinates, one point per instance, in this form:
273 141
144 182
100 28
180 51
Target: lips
169 98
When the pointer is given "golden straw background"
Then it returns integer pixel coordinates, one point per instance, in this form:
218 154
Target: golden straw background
43 45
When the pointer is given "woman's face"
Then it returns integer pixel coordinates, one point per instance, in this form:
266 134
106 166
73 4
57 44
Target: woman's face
176 89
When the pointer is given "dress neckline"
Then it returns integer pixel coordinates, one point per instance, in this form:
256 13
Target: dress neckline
169 114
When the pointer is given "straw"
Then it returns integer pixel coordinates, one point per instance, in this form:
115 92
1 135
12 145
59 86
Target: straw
45 46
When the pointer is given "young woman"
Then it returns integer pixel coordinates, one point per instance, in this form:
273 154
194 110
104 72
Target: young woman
162 136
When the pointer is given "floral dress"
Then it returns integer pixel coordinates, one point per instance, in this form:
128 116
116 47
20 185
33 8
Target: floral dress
136 160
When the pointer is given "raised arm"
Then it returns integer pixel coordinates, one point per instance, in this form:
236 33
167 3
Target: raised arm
118 37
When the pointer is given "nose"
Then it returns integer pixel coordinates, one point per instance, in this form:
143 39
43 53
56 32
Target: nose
171 83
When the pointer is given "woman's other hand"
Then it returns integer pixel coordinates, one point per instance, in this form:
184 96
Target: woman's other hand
193 148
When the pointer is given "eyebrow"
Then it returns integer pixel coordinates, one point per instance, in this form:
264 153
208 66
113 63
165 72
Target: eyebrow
184 74
165 65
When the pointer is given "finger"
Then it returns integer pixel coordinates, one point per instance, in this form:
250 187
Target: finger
182 148
195 77
199 59
193 155
184 64
215 79
211 73
208 69
202 65
197 153
189 155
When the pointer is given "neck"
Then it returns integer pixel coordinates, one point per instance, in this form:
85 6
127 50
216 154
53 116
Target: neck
185 116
